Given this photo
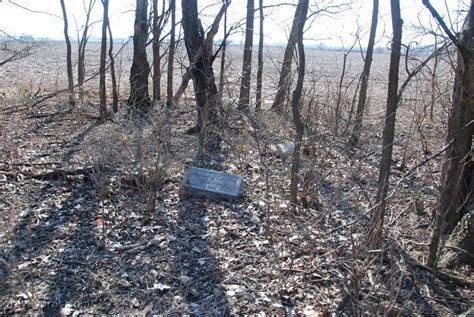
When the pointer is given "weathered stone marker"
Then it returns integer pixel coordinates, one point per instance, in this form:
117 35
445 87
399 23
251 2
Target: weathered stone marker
212 184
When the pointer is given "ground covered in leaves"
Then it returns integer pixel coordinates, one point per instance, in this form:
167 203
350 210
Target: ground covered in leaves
93 221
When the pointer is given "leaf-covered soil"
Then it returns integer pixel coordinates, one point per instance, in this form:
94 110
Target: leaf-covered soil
93 221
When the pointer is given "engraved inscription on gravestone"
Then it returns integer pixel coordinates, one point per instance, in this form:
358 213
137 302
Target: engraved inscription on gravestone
212 183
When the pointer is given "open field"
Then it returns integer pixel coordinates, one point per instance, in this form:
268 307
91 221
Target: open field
92 220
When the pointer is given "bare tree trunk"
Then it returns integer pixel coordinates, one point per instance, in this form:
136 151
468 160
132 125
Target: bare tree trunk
433 81
139 99
247 62
223 52
199 49
299 126
112 69
337 112
156 54
70 79
355 137
375 234
187 77
456 177
284 81
184 84
156 45
81 51
103 60
169 86
258 104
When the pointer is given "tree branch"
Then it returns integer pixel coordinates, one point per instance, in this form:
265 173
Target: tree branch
443 25
35 11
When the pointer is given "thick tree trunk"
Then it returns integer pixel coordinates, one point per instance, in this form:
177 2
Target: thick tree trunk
364 84
258 104
169 86
199 49
247 62
376 230
299 126
459 248
456 177
103 60
139 99
285 73
112 69
70 79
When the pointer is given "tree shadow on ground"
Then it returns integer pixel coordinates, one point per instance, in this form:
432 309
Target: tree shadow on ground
195 266
81 253
48 221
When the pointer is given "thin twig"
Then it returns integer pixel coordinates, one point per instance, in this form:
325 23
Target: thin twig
396 186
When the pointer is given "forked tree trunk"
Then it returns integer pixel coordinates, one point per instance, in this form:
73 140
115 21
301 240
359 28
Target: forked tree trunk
81 51
258 104
199 49
112 69
70 79
295 104
364 84
376 230
139 99
247 62
103 60
340 93
456 178
285 73
169 86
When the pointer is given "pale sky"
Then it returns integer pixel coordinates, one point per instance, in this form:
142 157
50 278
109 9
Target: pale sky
336 29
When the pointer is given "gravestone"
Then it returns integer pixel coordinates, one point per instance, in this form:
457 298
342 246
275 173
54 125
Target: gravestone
211 184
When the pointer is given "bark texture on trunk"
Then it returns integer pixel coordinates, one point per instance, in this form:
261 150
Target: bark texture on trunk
297 93
112 69
247 62
364 83
169 85
199 49
285 73
139 99
456 176
103 60
376 230
258 104
70 79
